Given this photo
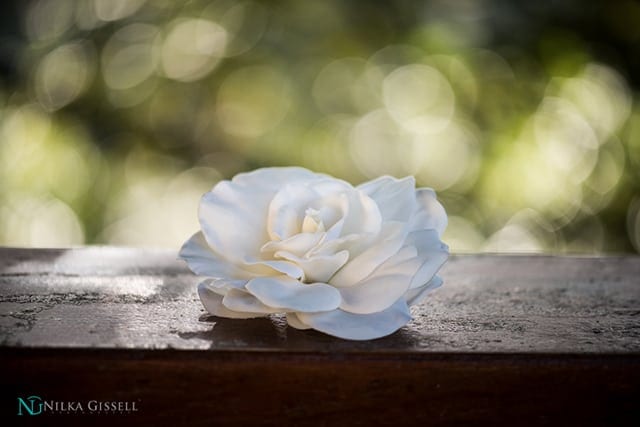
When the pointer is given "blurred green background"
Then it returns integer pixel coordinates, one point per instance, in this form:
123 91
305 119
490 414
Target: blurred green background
116 115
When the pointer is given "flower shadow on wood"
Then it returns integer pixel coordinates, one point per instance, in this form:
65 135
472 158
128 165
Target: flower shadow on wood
274 333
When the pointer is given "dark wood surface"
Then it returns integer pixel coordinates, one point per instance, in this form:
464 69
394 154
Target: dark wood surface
508 340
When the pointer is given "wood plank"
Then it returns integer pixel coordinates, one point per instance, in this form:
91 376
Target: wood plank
508 340
128 298
262 388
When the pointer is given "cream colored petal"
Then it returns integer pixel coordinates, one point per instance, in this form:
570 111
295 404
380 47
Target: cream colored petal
203 261
212 302
281 267
286 210
233 215
362 216
294 321
233 220
396 198
223 286
389 242
287 294
318 268
429 213
242 301
351 326
299 244
384 286
431 250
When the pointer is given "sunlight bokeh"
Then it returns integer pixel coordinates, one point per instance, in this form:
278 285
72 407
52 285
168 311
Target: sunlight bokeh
116 116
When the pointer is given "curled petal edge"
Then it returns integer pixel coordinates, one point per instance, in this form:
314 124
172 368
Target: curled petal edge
346 325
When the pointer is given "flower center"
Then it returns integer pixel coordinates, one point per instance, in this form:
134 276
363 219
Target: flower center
312 222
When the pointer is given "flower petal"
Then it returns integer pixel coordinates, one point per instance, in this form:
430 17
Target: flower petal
384 286
242 301
294 321
362 215
203 261
416 295
233 220
288 206
212 302
233 215
286 267
430 214
396 198
390 240
318 268
341 324
299 244
223 286
286 210
431 250
351 242
287 294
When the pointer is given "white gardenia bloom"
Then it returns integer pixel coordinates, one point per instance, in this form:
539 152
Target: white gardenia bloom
344 260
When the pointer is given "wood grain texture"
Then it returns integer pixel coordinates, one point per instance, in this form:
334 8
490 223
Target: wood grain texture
130 298
508 340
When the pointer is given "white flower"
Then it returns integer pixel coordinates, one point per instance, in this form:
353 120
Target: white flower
344 260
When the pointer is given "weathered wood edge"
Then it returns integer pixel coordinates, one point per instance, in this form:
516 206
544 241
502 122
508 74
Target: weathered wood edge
247 388
252 354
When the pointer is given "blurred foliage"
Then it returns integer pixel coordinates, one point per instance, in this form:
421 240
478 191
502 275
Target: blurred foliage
116 115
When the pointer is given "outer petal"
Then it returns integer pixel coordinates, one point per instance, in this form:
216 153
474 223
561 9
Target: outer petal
384 286
359 326
294 321
396 198
223 286
416 295
203 261
431 250
212 302
233 215
362 214
412 267
287 294
240 300
233 221
390 240
430 214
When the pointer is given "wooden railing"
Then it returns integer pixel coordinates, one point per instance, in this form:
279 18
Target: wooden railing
508 340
